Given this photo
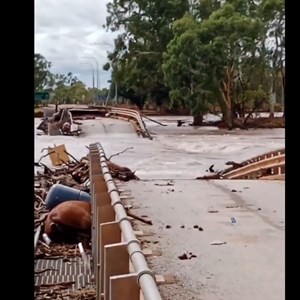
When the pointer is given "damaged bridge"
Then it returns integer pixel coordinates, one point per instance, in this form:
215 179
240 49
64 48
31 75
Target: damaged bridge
104 231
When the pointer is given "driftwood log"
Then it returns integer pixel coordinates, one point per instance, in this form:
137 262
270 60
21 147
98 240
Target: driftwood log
214 176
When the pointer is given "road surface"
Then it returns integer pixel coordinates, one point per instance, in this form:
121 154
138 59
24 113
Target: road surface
251 263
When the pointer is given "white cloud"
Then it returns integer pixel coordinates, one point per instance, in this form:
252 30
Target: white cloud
68 30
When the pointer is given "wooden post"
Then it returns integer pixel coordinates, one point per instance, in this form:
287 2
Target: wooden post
110 233
99 186
96 181
95 164
116 262
102 198
105 214
124 287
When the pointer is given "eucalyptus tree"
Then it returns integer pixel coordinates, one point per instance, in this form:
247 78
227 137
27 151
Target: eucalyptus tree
136 61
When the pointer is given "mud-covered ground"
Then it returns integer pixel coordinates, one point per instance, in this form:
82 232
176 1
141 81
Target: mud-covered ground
188 216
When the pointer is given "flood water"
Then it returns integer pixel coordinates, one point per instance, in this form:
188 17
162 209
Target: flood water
174 153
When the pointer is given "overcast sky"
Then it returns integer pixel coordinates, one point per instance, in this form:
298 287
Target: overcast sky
67 30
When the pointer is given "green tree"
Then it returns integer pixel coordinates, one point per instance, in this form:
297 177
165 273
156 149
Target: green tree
76 92
181 68
214 50
194 53
137 58
272 12
42 74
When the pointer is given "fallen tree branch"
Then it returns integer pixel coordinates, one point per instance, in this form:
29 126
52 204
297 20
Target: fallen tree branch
72 156
139 218
214 176
42 218
161 124
45 155
61 284
119 153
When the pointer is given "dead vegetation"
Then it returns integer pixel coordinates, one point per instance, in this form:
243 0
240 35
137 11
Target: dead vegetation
60 291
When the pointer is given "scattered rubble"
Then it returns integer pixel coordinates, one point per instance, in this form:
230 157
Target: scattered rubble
212 211
187 255
59 123
214 176
57 251
57 291
146 221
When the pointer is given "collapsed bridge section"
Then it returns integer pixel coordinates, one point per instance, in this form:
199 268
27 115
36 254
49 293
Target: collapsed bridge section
267 166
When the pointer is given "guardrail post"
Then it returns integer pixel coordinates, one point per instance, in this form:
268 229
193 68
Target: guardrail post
124 287
116 262
95 167
96 182
105 214
102 198
99 186
95 175
110 233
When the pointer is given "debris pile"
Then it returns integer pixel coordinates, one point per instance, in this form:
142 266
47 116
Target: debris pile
60 123
73 174
57 251
187 255
58 292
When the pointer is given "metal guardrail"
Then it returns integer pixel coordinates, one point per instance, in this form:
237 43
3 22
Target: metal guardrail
132 115
120 267
273 161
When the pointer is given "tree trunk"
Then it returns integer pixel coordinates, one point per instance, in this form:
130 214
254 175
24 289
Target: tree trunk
272 104
227 94
283 90
282 101
198 120
229 118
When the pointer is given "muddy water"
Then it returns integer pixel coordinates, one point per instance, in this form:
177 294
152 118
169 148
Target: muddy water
175 152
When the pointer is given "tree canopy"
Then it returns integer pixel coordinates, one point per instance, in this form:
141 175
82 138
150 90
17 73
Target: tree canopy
196 54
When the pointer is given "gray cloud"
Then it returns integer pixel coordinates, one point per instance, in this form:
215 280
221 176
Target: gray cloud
66 31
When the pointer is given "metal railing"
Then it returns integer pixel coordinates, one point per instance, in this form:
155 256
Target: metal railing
133 115
273 161
120 267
